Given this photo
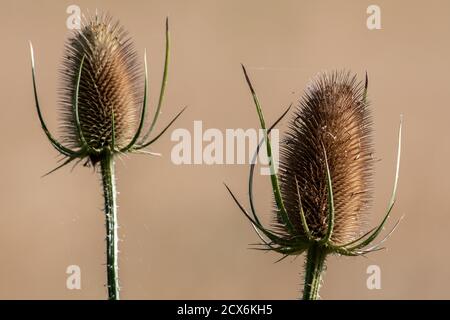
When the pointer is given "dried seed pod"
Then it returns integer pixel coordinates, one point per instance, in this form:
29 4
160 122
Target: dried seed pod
332 121
110 86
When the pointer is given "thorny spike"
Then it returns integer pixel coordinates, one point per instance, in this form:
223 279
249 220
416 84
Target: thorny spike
268 233
84 144
143 110
302 214
329 233
273 176
252 165
377 231
113 132
69 160
58 146
163 83
366 87
162 132
386 236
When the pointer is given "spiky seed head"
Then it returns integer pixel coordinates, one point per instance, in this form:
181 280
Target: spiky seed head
110 86
333 119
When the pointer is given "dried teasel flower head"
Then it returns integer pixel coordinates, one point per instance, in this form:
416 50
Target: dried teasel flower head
110 86
103 98
332 124
324 188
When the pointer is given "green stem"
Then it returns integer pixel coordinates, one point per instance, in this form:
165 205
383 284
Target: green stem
315 265
109 193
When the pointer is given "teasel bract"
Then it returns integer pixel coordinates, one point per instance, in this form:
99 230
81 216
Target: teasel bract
104 108
323 189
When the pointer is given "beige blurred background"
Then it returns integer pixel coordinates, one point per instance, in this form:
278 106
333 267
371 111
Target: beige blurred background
182 236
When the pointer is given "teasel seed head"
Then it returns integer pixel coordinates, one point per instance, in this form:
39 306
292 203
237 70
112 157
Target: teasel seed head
103 99
324 187
333 122
110 85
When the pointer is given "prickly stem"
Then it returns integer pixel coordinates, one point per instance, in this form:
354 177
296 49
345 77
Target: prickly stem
109 193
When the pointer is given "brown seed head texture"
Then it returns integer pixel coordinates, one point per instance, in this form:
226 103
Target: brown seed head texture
332 117
109 84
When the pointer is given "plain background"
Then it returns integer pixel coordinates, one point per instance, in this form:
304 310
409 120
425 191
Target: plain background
182 236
